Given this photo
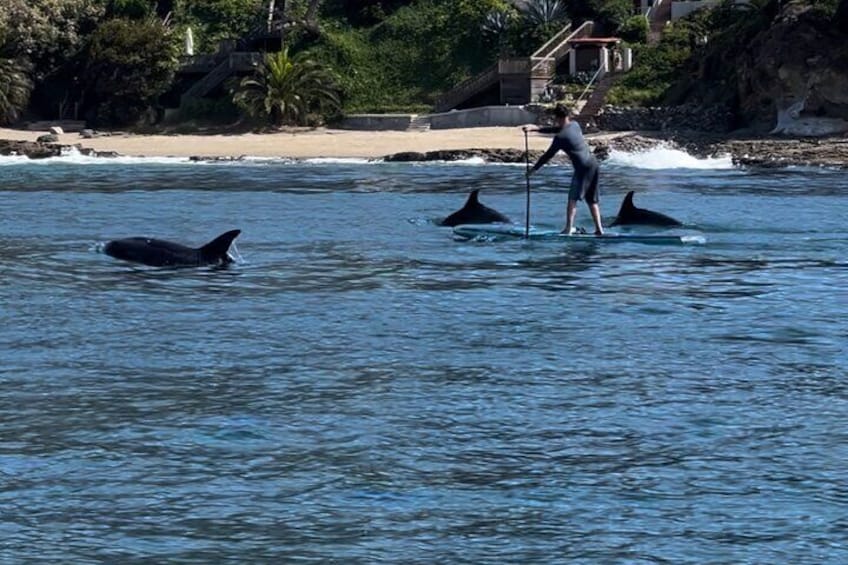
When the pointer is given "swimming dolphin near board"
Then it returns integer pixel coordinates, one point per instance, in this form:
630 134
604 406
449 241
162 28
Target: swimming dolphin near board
474 213
159 253
629 214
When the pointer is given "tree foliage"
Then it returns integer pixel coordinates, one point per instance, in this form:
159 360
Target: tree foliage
48 33
656 67
127 65
287 90
635 29
363 12
129 9
15 89
215 20
414 54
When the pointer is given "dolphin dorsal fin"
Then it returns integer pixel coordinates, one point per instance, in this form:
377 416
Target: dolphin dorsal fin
473 198
627 203
218 247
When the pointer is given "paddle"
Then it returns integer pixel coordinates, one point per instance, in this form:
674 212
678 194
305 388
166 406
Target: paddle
527 178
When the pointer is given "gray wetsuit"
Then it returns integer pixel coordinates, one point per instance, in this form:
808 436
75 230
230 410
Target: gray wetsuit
584 183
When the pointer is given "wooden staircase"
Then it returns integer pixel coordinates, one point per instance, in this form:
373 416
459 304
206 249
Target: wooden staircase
596 100
658 16
234 57
540 66
468 88
234 62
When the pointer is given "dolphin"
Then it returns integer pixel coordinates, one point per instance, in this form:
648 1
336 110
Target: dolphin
474 213
159 253
629 214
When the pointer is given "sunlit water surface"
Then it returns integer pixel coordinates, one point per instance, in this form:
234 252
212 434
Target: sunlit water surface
361 387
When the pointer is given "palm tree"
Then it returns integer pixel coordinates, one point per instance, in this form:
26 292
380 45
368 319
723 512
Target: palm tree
544 12
15 88
496 27
287 89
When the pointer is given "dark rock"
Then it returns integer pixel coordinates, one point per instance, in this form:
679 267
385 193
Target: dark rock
36 150
48 138
406 156
763 152
87 133
488 155
33 150
715 119
216 159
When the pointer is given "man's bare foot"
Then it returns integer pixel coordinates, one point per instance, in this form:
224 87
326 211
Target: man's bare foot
599 233
567 231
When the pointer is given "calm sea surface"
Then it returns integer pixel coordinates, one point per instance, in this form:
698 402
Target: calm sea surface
362 388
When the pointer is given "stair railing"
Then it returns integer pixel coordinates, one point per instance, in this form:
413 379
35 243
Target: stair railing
562 46
590 83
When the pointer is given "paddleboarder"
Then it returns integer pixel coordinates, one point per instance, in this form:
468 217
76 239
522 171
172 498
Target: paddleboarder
584 182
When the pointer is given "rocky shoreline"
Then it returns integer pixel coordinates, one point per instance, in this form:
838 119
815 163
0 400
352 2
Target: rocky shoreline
767 152
756 152
45 150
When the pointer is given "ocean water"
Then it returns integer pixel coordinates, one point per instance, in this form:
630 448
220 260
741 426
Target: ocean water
363 388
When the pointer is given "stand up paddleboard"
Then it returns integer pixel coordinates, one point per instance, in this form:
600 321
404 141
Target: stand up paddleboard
511 231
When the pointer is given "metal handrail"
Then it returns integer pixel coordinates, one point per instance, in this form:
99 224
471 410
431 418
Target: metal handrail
469 84
585 90
542 49
552 53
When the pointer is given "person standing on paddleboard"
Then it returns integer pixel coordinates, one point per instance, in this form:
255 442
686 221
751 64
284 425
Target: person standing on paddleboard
584 182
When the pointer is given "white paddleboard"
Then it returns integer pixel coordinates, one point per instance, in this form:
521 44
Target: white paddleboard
512 231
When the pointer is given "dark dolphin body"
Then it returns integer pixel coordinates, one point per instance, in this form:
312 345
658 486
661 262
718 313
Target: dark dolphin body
474 213
158 253
629 214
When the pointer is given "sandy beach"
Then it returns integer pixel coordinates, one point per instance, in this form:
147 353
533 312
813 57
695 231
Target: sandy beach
311 143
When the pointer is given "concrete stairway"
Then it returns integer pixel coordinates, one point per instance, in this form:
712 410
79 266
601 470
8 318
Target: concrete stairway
544 60
231 64
596 101
658 17
419 123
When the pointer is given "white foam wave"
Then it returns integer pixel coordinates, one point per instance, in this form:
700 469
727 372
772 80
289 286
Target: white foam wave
663 157
338 161
470 161
72 156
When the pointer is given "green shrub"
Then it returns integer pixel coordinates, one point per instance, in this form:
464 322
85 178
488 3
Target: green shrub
634 29
15 89
128 64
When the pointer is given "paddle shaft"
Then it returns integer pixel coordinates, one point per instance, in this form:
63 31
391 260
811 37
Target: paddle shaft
527 178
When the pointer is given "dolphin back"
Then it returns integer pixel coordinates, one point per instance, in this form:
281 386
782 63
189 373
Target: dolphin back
629 214
216 250
153 252
161 253
625 211
473 212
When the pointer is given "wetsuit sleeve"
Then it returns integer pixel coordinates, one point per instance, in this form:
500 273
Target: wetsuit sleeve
556 145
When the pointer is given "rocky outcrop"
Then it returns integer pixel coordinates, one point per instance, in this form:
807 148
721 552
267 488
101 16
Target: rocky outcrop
791 121
801 57
781 153
831 152
489 155
716 119
31 149
40 150
768 62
